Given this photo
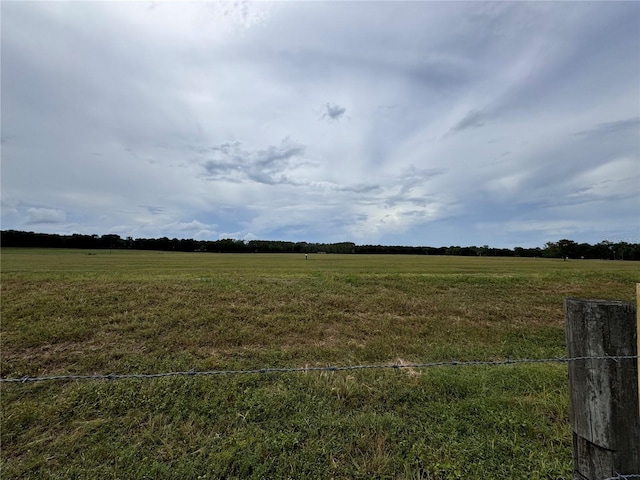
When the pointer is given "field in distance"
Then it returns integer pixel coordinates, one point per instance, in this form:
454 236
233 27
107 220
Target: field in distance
86 312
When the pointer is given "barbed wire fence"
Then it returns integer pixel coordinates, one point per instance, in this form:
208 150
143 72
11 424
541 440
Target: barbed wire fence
602 444
283 370
306 369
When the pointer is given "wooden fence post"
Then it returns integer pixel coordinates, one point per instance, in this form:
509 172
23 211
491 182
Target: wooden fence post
605 409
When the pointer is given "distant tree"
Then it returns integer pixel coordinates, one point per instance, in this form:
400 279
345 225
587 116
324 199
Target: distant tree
551 250
453 250
568 248
110 241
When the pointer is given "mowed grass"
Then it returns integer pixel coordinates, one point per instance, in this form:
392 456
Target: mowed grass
85 312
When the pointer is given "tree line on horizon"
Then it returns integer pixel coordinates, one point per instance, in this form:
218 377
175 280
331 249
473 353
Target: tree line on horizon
561 249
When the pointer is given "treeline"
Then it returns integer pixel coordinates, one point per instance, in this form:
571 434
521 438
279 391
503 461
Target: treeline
560 249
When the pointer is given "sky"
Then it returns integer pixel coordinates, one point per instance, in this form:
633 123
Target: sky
394 123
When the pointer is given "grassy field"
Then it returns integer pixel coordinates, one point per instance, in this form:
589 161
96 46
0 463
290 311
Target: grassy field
86 312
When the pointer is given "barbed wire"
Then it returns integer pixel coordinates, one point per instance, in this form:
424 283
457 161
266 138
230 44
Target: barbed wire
619 476
266 370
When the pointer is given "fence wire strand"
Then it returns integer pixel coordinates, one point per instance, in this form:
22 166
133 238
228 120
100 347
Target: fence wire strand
194 373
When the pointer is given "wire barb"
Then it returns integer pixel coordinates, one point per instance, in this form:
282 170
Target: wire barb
265 370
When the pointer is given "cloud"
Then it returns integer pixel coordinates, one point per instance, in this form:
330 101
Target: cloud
358 188
37 216
614 180
473 119
189 226
203 118
550 228
153 210
631 125
193 229
334 112
270 166
8 207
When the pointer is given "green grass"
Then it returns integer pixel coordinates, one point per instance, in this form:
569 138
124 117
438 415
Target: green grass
85 312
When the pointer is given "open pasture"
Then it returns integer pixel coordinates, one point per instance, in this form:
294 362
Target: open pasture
85 312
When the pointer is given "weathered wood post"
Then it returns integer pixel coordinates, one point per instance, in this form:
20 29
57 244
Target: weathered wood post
605 410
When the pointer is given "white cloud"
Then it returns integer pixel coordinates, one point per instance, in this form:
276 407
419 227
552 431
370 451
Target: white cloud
615 179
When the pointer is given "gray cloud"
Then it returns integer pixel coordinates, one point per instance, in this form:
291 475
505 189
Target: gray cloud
334 112
631 125
359 188
473 119
412 186
270 166
36 216
153 210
